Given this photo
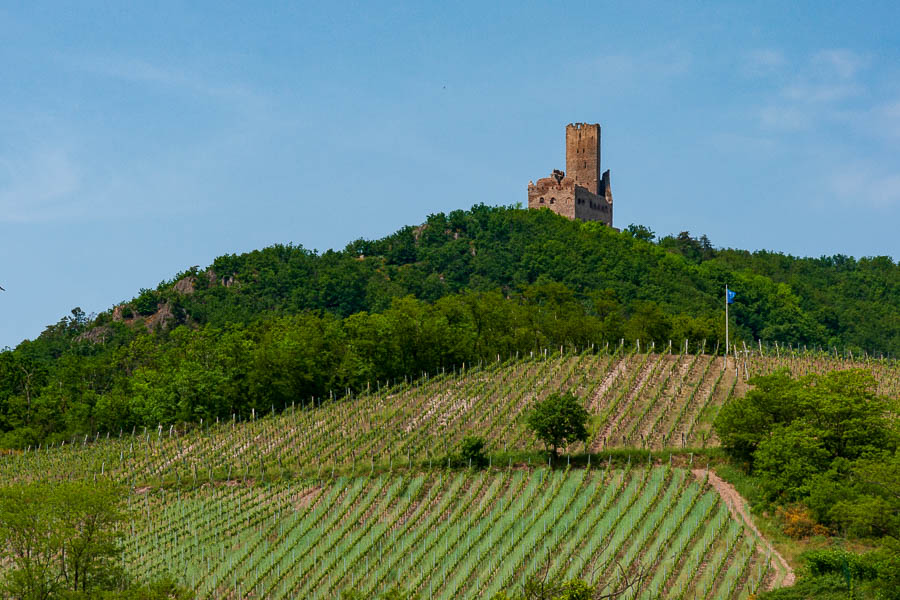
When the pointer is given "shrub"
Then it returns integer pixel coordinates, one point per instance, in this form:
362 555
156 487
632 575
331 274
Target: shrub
146 303
472 451
797 522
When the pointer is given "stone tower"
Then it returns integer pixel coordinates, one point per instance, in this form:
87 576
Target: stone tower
583 155
581 192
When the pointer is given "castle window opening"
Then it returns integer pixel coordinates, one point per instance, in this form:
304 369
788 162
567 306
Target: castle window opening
542 199
552 200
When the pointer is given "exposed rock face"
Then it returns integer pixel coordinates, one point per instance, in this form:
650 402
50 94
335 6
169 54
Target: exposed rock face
226 280
161 319
185 285
96 335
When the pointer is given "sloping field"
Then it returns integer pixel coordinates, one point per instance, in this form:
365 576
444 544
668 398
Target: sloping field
638 400
451 534
354 493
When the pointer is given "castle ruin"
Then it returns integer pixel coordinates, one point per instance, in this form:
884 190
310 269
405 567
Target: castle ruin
581 192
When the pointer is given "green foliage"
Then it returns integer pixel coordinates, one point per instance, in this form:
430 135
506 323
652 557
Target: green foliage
640 232
471 451
825 440
835 560
743 423
789 458
162 589
838 574
60 538
394 593
577 589
826 587
543 588
62 541
648 323
146 303
559 419
792 431
694 250
861 498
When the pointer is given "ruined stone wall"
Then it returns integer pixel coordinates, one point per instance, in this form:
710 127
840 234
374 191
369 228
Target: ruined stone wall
583 155
557 195
580 192
592 207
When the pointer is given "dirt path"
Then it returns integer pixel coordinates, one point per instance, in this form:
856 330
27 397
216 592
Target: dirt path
738 510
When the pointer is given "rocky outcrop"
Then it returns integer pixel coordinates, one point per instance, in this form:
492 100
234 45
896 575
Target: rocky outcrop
161 319
185 285
226 280
97 335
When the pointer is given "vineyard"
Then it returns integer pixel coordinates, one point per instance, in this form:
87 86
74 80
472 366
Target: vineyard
352 492
450 534
637 400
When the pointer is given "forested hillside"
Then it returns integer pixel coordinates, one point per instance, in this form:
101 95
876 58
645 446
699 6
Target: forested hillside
266 328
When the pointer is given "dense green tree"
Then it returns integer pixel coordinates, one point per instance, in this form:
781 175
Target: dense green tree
742 423
63 540
60 538
826 440
557 420
836 415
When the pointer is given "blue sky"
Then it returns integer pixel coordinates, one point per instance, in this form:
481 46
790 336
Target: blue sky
137 141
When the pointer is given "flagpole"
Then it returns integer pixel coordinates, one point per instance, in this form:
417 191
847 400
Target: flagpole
726 325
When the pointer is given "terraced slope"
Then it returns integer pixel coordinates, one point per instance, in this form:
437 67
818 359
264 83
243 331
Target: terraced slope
267 509
451 534
642 400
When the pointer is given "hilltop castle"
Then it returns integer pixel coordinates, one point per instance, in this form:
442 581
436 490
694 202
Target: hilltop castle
581 192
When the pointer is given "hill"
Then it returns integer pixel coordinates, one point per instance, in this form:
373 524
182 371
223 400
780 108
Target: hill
270 327
356 493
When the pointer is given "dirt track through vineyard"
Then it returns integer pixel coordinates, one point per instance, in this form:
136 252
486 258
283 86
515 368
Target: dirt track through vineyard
738 509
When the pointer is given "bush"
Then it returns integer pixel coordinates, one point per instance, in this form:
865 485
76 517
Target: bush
835 560
838 574
472 451
146 303
792 431
797 522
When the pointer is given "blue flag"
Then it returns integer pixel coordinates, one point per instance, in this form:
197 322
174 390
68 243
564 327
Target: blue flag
729 296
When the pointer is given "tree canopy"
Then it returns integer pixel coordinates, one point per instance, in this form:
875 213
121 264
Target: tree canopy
61 540
559 419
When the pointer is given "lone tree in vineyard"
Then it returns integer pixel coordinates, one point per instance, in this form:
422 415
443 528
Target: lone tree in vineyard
559 420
